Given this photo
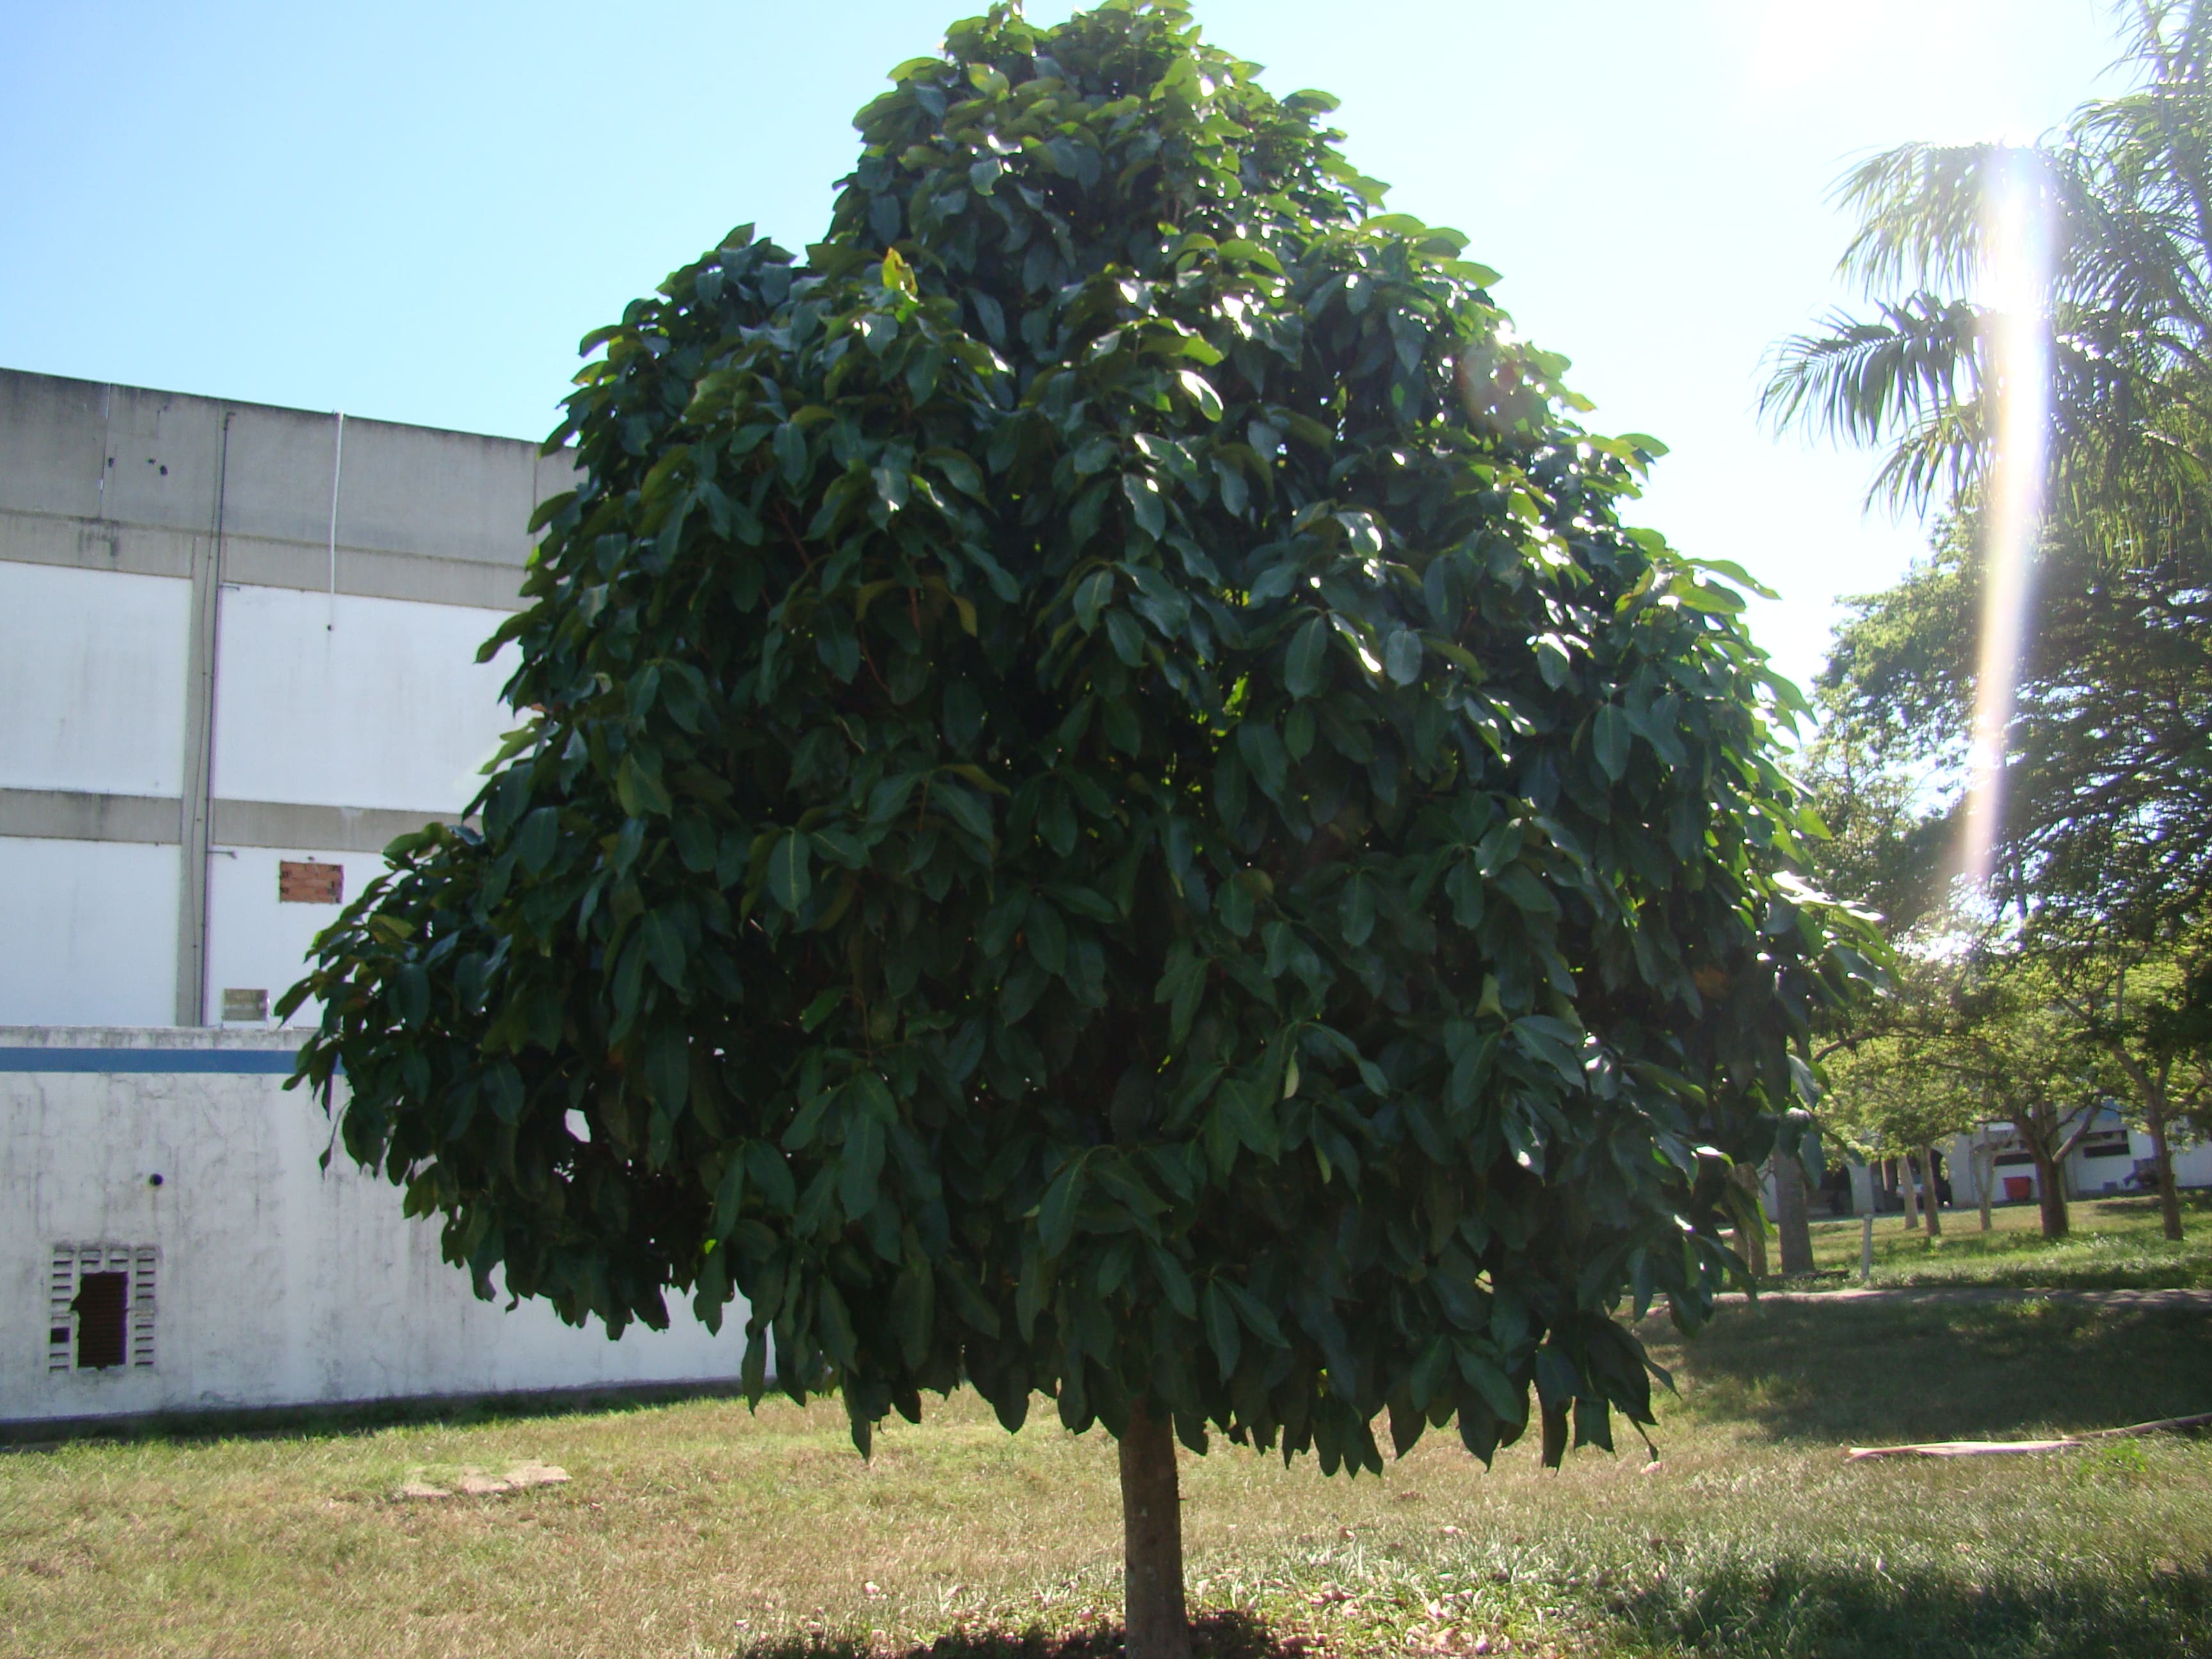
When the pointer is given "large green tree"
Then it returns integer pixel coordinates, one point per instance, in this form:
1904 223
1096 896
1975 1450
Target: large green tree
1107 809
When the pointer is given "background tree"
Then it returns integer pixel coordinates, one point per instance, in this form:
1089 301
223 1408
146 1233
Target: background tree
1889 825
1793 1226
1901 1082
1885 853
1978 1032
2103 854
2141 1002
2108 780
1107 808
2000 1024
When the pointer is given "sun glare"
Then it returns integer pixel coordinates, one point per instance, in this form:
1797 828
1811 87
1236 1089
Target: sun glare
2016 281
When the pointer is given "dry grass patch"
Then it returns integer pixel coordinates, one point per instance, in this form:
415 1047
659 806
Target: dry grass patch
699 1529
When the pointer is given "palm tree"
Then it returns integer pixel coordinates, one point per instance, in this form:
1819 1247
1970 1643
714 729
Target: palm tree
2126 189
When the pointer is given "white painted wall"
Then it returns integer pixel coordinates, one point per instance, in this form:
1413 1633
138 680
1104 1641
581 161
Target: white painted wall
278 1284
257 943
2192 1167
88 931
2089 1177
92 680
355 702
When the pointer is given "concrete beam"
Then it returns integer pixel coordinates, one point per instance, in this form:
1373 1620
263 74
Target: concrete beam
317 828
110 478
72 815
255 562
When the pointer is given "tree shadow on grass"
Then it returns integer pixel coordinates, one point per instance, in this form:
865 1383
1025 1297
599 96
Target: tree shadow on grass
1743 1609
1787 1608
1225 1634
1866 1372
363 1417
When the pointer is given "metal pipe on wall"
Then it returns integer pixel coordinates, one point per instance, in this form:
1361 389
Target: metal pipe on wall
338 470
199 758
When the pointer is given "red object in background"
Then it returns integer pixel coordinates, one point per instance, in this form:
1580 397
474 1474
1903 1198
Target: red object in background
2019 1188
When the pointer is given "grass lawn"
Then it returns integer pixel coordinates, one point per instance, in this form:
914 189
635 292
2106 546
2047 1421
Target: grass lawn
2115 1243
699 1529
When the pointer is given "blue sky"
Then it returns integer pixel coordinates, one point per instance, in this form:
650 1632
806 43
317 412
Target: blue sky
412 212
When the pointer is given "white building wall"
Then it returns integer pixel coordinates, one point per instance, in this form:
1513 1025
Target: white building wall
87 932
256 943
229 641
229 633
92 680
2192 1166
2102 1175
355 702
277 1284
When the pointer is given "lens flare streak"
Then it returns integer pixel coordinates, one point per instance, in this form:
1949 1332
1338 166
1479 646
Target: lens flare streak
2017 276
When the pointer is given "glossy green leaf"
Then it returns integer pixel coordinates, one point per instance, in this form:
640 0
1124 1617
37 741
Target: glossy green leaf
789 879
1306 668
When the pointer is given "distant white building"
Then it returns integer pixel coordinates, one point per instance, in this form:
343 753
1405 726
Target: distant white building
237 658
2110 1160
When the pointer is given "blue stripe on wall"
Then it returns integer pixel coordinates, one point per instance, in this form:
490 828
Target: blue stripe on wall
261 1062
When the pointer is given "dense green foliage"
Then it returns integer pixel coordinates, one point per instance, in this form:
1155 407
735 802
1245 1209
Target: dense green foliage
1107 808
2108 781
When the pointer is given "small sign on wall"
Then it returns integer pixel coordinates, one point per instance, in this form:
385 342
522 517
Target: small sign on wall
300 881
244 1006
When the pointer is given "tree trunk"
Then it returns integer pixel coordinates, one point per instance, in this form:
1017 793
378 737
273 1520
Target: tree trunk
2169 1195
1908 1189
1750 1241
1790 1218
1154 1614
1985 1177
1930 1197
2049 1190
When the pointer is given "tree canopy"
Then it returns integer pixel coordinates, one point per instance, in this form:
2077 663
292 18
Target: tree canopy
1106 807
2108 778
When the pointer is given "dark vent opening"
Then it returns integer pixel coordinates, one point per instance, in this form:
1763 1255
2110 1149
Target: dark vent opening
102 1300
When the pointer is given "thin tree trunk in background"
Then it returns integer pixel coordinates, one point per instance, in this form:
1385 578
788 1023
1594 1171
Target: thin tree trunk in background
1908 1189
2169 1195
1157 1621
1791 1219
1932 1199
2152 1084
1750 1241
1985 1177
2049 1190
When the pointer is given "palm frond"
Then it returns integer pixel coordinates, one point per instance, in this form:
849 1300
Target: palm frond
1919 208
1905 374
